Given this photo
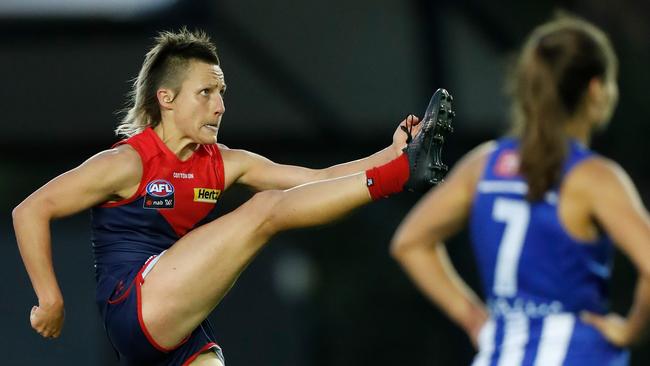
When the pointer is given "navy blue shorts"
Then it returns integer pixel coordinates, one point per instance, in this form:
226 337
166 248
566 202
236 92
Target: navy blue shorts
122 314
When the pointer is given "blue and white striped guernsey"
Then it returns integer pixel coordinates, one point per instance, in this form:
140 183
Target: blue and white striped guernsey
535 276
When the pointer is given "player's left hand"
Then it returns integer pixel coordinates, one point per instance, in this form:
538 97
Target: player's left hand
400 137
476 322
613 327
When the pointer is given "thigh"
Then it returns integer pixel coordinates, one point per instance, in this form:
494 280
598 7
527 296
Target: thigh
208 358
198 270
130 337
190 279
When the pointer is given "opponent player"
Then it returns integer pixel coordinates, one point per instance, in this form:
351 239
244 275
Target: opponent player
543 211
163 258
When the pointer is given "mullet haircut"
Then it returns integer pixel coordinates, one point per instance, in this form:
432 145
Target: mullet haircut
164 65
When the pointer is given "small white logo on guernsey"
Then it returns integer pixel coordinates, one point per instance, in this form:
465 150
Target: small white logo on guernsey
183 175
206 195
507 164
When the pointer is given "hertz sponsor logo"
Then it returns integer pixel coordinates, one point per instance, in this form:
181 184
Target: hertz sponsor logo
206 195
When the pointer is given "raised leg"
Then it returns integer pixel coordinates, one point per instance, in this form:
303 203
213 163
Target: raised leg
198 270
192 277
206 359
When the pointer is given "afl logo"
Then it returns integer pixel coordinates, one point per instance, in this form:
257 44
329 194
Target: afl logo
160 188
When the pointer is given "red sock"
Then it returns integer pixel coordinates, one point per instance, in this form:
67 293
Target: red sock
388 179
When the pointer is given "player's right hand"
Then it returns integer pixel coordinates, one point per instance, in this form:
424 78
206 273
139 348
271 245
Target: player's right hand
613 327
405 132
47 320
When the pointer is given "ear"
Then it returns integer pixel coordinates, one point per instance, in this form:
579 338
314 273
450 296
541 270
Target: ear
165 98
596 90
601 100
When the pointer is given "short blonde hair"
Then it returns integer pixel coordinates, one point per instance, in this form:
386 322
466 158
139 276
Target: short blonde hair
164 66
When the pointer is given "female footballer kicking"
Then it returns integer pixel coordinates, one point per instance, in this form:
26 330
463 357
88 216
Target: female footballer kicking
163 258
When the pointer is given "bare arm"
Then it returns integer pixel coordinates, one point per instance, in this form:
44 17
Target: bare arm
618 208
261 173
105 176
417 244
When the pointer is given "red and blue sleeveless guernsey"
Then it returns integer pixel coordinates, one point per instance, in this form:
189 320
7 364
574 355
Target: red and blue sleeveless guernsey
173 197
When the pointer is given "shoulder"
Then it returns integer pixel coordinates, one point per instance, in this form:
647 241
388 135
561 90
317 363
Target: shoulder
481 152
238 156
237 163
473 162
598 175
225 150
124 155
122 162
597 168
468 171
455 195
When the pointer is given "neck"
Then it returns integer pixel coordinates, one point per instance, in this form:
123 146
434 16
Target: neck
180 145
579 130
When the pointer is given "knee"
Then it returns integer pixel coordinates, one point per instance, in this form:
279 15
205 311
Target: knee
262 209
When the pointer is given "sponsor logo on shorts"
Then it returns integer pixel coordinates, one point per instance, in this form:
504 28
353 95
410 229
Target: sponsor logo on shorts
206 195
160 194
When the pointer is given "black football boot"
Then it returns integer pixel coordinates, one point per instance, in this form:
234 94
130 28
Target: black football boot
424 152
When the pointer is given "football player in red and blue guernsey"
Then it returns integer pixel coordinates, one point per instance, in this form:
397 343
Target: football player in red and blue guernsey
163 259
544 212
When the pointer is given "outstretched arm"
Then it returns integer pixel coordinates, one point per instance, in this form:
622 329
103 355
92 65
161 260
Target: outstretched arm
417 244
618 208
69 193
261 173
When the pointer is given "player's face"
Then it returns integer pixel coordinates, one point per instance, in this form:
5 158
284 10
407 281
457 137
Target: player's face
199 105
608 102
611 89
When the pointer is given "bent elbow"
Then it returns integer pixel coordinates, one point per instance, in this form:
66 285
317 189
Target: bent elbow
398 247
18 212
23 211
643 269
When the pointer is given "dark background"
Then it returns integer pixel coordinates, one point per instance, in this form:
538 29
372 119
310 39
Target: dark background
309 82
